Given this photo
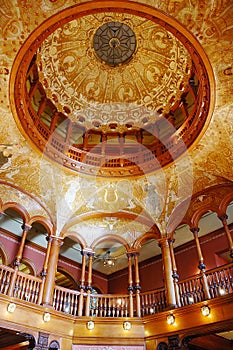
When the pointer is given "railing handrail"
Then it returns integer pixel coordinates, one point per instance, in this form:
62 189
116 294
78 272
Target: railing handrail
219 268
198 276
67 290
28 276
7 268
161 289
109 295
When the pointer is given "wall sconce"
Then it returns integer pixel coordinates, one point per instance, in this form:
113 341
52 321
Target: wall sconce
46 317
11 307
90 325
127 325
205 310
170 319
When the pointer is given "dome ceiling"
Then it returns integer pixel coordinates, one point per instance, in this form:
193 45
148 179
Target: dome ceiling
151 70
112 91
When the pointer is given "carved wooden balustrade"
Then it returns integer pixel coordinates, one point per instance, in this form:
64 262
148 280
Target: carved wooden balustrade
29 288
191 290
153 302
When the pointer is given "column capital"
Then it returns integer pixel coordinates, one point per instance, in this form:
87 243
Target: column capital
194 229
26 227
87 252
49 239
163 242
223 217
132 253
57 240
171 240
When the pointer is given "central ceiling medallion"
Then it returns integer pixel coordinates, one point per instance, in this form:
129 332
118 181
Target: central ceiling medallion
114 43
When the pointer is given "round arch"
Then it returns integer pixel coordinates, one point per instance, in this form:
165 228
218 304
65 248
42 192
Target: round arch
19 209
146 237
112 238
44 222
201 211
75 236
3 255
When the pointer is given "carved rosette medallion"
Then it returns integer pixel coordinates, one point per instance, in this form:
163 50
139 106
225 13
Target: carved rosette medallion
114 43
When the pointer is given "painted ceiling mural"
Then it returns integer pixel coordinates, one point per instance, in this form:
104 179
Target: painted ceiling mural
155 195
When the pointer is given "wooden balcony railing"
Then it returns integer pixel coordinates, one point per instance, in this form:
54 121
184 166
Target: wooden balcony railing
191 290
108 305
79 303
27 288
5 278
66 300
153 302
220 280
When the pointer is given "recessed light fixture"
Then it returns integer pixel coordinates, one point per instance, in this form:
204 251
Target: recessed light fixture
205 310
127 325
11 307
90 325
46 317
170 319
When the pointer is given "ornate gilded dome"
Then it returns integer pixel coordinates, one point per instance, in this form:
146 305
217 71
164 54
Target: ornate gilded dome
136 91
112 91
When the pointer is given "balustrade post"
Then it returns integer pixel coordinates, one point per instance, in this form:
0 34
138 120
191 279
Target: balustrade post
18 258
45 267
169 286
130 283
89 282
82 283
47 298
224 218
137 285
175 275
201 265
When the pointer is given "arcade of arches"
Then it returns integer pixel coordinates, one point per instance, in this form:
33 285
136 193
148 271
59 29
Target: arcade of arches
116 186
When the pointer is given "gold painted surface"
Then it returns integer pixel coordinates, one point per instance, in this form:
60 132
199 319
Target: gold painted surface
210 162
75 79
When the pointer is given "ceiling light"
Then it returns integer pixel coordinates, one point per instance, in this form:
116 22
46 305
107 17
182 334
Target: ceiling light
127 325
11 307
90 325
205 310
170 319
46 317
109 262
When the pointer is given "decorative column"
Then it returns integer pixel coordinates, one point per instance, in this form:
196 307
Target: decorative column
19 255
224 218
169 286
201 265
137 286
54 122
56 243
18 258
42 106
90 255
175 275
82 283
130 282
103 144
45 267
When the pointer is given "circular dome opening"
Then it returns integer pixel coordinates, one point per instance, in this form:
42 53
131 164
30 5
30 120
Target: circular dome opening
112 89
